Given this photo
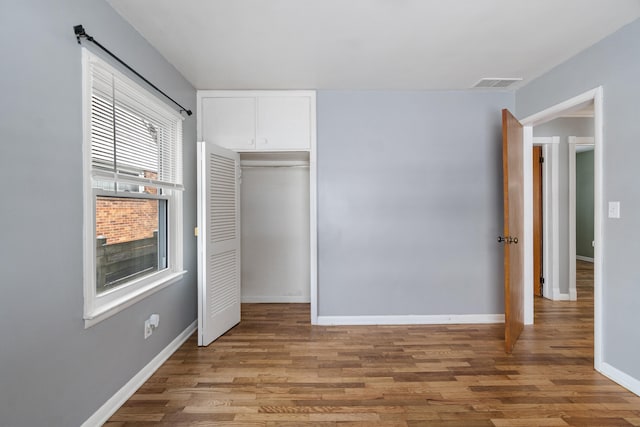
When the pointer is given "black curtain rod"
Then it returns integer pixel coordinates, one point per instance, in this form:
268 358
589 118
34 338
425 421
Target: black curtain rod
79 32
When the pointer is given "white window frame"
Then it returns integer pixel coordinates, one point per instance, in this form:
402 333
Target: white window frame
98 307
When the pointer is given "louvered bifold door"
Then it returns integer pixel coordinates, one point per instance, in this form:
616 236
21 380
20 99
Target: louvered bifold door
218 241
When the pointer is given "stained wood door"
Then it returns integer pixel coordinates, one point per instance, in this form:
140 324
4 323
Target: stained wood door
513 188
218 241
537 160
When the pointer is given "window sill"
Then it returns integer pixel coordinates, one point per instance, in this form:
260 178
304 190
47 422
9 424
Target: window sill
107 310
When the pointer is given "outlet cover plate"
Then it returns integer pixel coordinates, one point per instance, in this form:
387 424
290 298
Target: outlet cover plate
148 330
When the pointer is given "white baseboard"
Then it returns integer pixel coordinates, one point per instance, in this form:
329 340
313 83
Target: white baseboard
584 258
117 400
573 294
625 380
452 319
274 299
557 296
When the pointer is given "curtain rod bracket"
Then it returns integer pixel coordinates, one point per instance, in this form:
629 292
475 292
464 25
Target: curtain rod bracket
79 31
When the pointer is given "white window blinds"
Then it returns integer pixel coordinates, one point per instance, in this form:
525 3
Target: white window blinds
135 138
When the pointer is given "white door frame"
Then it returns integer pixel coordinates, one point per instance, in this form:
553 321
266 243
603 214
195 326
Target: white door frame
573 142
313 218
595 96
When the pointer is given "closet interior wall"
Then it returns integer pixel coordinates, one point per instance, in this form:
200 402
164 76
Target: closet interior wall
274 209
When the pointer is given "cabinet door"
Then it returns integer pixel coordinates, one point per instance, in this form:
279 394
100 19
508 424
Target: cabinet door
284 123
229 122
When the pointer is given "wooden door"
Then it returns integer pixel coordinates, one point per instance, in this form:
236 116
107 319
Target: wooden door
537 221
513 188
218 241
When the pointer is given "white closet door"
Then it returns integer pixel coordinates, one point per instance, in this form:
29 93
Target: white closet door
218 241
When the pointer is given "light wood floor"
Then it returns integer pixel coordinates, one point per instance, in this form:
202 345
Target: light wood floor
274 369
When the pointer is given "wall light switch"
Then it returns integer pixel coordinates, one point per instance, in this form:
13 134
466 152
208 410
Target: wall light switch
614 209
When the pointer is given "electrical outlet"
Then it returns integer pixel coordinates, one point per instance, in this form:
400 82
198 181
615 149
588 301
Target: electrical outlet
148 330
150 324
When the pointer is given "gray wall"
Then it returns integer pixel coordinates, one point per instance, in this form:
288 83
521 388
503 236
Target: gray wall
584 204
564 128
54 372
410 202
614 64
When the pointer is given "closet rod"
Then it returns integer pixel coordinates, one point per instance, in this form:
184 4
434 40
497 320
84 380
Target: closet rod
271 166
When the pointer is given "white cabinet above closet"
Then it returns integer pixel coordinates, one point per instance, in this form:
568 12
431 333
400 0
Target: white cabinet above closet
229 122
257 120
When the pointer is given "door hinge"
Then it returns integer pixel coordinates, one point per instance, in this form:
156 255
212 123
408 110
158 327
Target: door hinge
541 280
541 159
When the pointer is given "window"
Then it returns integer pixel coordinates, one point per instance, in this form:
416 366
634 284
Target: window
133 191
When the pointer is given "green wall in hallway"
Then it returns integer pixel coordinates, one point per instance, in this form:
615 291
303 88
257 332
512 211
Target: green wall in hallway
584 204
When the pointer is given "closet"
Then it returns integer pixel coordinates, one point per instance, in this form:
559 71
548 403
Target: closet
274 210
271 138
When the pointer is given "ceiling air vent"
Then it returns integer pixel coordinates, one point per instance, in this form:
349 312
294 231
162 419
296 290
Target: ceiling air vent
497 83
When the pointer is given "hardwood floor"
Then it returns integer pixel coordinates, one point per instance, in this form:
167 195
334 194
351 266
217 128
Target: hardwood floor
274 369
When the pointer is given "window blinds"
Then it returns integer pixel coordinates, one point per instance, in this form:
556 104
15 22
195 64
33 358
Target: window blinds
135 138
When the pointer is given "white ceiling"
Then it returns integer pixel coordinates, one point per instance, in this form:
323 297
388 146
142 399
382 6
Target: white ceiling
369 44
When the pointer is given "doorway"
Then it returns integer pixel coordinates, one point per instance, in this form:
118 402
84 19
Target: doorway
274 210
595 97
537 159
560 229
549 240
581 207
278 229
